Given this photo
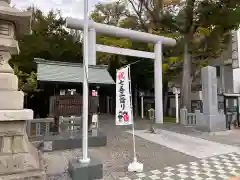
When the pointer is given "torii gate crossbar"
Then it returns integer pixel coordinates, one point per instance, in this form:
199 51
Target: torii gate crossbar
78 24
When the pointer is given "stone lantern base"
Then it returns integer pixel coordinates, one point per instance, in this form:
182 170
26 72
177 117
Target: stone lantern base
18 158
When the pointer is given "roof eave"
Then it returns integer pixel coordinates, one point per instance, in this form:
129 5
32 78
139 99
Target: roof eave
63 63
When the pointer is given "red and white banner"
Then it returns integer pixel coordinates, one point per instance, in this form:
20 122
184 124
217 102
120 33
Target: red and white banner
123 98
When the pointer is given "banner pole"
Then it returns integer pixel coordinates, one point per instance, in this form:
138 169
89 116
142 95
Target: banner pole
135 165
134 144
133 128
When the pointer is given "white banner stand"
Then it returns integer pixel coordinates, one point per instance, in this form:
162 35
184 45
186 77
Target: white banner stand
134 166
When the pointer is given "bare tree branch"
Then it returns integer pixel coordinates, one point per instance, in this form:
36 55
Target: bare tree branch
153 16
139 14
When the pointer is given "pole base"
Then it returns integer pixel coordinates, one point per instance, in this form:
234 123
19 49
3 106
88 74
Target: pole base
84 160
135 167
85 171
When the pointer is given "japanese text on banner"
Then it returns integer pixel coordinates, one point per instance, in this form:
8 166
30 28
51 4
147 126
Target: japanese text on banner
123 98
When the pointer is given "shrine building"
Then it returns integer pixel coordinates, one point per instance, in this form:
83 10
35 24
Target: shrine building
64 78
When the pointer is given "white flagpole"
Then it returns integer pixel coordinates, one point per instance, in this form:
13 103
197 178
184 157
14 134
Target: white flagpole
135 165
85 158
133 128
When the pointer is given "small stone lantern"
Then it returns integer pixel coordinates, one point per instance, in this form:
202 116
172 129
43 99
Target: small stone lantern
176 91
151 113
18 158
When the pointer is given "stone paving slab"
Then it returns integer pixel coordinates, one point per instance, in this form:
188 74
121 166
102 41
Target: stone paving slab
188 145
229 137
222 167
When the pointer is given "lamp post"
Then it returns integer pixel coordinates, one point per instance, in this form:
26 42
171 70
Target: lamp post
142 106
85 158
98 87
176 91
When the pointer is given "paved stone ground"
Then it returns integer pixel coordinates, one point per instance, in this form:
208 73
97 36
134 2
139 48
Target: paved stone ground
220 167
118 153
189 145
229 137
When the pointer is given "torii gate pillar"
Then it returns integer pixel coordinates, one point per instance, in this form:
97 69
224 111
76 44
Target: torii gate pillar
158 83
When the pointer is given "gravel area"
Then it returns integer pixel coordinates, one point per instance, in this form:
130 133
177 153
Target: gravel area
117 154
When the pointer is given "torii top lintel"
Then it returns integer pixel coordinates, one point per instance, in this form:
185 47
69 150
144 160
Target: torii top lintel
78 24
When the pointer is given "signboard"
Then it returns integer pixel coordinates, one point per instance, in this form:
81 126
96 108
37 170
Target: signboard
71 105
234 46
62 92
123 98
94 118
196 105
94 93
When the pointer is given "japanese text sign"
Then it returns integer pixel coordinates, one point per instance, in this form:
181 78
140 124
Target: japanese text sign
123 98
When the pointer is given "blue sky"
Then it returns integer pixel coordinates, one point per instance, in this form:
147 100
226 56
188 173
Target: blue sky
73 8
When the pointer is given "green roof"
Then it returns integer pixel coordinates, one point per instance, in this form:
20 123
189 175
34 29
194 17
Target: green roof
57 71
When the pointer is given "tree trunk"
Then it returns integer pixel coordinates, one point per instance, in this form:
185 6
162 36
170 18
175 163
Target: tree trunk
186 78
136 101
165 98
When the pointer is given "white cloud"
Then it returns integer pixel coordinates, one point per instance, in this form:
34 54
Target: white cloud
73 8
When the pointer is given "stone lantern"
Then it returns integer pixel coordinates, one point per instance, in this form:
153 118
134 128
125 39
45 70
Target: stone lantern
18 158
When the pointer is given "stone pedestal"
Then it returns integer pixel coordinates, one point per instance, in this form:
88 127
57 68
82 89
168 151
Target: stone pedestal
18 158
86 171
64 141
211 120
211 123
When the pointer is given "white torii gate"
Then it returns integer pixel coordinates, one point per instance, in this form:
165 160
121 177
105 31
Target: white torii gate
90 49
94 27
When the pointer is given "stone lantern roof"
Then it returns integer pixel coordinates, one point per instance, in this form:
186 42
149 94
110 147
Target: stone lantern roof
21 19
